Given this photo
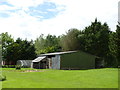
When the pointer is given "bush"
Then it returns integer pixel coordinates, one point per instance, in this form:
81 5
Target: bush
14 66
18 67
2 77
8 66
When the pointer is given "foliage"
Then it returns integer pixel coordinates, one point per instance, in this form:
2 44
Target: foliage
118 42
21 49
47 44
112 54
6 40
16 50
96 39
18 67
8 66
70 41
0 49
26 49
2 77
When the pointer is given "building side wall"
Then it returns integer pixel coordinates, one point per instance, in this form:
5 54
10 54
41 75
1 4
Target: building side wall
77 60
56 62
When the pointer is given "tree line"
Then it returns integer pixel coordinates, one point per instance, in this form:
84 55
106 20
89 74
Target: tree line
96 39
13 50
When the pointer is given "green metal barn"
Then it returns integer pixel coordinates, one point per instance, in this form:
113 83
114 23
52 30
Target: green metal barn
67 60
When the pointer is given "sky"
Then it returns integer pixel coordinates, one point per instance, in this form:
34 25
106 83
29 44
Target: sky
31 18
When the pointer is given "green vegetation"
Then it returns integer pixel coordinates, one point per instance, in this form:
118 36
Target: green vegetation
2 77
96 39
47 44
118 43
16 50
94 78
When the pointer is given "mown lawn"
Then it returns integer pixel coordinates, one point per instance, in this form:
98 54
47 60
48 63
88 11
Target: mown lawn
93 78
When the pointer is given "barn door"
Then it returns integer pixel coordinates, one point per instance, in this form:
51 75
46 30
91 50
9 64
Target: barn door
56 62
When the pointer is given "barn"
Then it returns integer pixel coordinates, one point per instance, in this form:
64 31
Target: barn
67 60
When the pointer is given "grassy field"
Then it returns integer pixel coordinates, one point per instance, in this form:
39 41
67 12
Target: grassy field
94 78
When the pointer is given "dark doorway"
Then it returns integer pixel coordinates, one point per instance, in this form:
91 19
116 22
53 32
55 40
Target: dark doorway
99 63
36 65
43 65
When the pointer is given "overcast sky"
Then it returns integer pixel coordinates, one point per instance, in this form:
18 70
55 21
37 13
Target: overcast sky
30 18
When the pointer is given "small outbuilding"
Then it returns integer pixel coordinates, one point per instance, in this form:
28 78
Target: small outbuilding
24 63
39 63
66 60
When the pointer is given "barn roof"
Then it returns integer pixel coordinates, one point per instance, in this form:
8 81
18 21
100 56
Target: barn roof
57 53
39 59
60 53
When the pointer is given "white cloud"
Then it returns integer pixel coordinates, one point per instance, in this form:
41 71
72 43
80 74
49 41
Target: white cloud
25 3
85 11
76 14
5 7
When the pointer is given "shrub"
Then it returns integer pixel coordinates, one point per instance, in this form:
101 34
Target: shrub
18 67
2 77
8 66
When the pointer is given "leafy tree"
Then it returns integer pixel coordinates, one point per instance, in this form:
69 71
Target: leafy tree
118 43
20 49
12 53
47 44
40 44
26 49
82 42
70 41
97 39
112 58
0 49
1 40
6 40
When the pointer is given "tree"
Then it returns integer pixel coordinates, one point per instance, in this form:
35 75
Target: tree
26 49
0 49
112 55
40 44
47 44
12 53
6 40
97 39
20 49
82 42
118 42
0 45
70 41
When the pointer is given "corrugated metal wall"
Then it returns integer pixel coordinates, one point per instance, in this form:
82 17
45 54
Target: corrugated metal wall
24 63
56 62
77 60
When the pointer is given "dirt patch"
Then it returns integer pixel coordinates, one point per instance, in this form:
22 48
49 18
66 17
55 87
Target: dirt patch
33 71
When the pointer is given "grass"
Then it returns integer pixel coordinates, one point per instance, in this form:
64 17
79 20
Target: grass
94 78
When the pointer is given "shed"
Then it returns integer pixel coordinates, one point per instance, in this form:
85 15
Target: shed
68 60
39 63
24 63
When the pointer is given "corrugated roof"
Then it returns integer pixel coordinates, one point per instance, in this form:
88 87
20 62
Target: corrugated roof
57 53
39 59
